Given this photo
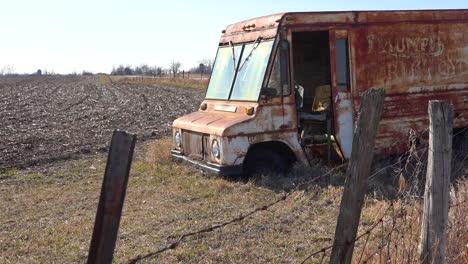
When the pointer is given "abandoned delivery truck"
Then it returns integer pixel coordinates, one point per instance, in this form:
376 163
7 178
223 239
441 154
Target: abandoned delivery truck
286 85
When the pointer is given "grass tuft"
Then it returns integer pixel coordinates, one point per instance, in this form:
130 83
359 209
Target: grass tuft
7 174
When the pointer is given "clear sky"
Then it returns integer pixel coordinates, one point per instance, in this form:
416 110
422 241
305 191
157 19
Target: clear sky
65 36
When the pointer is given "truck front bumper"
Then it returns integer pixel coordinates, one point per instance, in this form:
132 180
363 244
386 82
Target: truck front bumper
221 170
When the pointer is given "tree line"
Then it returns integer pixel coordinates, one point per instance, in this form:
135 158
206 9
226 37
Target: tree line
10 70
203 67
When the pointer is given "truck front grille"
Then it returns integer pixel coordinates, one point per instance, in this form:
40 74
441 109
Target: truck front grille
195 145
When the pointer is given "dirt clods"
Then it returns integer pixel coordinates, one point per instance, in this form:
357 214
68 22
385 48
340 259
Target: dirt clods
49 118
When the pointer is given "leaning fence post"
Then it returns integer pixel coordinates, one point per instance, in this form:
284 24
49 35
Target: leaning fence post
356 176
112 197
436 194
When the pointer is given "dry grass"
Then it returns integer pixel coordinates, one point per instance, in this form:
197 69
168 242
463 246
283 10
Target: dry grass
396 238
48 217
178 81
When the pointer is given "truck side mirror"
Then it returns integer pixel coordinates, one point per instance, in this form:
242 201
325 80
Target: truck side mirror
268 92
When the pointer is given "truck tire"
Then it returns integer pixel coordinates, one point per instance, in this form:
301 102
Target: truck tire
264 162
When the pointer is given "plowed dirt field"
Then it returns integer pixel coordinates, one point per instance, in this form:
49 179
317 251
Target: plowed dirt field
49 118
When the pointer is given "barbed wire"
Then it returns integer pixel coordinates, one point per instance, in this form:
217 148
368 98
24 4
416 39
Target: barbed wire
409 154
461 131
457 204
367 232
234 220
412 139
208 229
386 239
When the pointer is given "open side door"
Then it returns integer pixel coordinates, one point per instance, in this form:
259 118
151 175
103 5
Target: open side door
341 90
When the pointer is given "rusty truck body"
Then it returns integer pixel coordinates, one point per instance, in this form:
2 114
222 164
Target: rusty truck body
284 85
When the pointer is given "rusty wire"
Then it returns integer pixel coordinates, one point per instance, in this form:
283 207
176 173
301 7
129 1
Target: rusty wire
385 237
234 220
412 151
367 232
208 229
458 204
323 256
365 244
410 154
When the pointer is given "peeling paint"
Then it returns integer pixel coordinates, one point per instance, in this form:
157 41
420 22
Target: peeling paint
416 56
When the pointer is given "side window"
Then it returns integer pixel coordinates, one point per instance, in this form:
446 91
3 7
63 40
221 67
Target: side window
279 76
275 76
284 67
342 65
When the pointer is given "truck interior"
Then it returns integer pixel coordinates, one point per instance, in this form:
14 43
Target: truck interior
311 63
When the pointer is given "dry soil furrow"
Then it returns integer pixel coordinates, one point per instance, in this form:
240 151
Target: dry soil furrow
47 118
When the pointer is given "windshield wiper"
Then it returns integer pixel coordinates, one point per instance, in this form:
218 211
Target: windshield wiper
233 54
256 44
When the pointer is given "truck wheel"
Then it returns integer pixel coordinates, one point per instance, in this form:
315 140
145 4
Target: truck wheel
264 162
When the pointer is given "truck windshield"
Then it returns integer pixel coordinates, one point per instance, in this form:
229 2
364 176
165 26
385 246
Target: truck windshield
249 61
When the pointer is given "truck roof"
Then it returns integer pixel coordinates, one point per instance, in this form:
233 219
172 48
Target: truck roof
267 26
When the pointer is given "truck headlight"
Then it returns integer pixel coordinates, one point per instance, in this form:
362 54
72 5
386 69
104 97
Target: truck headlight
215 149
178 140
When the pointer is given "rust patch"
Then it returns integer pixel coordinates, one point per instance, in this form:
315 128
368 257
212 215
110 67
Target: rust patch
415 63
423 59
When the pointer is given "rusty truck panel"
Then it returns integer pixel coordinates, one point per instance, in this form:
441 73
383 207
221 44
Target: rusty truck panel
235 130
416 56
319 18
250 30
411 16
416 63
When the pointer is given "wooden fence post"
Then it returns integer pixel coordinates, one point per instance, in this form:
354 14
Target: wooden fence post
112 197
356 176
436 194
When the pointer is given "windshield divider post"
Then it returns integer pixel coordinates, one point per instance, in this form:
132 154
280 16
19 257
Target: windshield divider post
235 73
233 54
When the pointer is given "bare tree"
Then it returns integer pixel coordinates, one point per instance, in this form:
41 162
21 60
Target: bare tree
157 70
174 66
204 67
208 64
120 70
145 69
138 70
8 69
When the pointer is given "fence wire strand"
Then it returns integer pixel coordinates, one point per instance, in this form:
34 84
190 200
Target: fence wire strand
232 221
367 232
411 154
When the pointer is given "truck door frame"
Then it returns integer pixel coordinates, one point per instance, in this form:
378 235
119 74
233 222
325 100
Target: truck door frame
342 99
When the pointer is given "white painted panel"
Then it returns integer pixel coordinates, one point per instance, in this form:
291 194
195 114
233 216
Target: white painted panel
345 127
